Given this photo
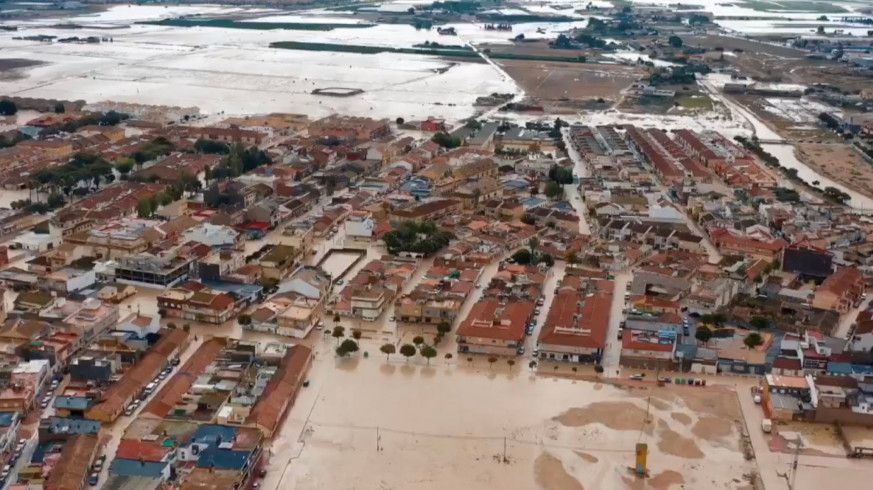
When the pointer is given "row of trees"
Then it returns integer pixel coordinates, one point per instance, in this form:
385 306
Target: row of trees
54 201
410 350
238 161
146 207
705 334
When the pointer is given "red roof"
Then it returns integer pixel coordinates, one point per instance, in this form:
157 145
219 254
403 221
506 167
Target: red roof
577 321
490 320
141 450
787 363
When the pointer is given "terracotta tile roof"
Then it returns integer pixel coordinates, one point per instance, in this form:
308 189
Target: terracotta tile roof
281 390
141 374
489 320
789 363
841 281
141 450
181 382
578 321
72 468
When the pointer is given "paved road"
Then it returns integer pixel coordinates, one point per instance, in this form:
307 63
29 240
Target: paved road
555 273
571 191
613 345
814 472
116 430
845 326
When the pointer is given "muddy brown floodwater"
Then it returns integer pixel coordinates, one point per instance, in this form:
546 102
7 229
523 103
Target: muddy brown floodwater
551 475
615 415
673 443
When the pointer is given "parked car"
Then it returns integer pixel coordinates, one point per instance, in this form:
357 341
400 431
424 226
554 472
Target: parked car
636 377
520 350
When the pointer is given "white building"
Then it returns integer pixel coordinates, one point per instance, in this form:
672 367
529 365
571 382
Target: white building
212 235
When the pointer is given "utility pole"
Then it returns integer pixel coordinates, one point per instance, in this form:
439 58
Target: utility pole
791 475
794 465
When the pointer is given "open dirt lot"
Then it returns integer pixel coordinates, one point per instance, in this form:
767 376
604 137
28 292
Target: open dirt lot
555 84
396 425
840 162
774 63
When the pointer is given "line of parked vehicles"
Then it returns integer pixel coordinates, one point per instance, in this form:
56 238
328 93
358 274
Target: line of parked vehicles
7 469
150 388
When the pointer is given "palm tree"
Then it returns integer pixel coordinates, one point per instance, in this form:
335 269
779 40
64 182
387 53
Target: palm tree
510 362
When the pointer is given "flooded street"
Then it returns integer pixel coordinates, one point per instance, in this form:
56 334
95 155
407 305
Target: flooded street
475 426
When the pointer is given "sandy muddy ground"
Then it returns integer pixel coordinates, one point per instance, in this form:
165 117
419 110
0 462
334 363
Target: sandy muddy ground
462 426
840 162
554 82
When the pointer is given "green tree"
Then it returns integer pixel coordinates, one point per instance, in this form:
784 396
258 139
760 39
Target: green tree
759 322
338 332
554 190
523 256
211 147
388 349
571 258
444 328
703 333
428 353
407 351
491 361
356 334
59 108
244 320
753 340
7 108
418 340
145 208
347 347
675 41
510 363
446 140
124 166
531 365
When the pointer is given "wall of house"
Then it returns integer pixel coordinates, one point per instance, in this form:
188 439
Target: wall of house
843 416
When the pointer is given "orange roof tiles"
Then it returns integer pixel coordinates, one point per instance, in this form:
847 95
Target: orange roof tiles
178 385
281 390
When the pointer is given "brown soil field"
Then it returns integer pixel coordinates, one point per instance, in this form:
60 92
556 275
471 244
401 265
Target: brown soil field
567 82
673 443
615 415
551 475
840 162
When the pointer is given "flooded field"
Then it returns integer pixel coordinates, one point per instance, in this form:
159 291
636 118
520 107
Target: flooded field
475 427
